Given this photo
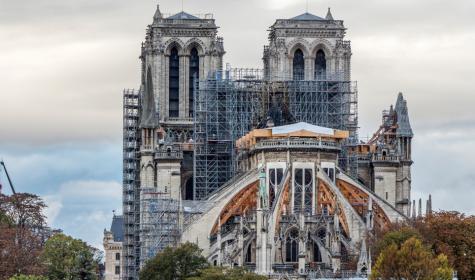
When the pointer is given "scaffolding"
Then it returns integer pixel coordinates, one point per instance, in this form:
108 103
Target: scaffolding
230 104
159 223
131 184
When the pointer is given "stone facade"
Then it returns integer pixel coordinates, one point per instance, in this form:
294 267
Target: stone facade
385 160
314 36
182 32
292 211
113 250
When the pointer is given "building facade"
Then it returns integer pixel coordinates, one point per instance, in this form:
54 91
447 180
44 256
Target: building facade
112 242
189 166
307 47
292 211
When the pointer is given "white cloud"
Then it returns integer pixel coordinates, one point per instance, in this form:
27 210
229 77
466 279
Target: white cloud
92 189
54 206
83 208
282 4
443 165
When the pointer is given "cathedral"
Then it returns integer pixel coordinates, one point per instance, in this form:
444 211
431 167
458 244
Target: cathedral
261 168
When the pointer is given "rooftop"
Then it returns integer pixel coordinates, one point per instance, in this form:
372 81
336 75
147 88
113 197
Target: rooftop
296 130
182 15
117 228
307 16
301 126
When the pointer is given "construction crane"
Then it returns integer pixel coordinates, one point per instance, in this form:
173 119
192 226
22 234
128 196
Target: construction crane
8 177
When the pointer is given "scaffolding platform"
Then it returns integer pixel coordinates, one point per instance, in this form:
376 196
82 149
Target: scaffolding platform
231 103
130 179
159 223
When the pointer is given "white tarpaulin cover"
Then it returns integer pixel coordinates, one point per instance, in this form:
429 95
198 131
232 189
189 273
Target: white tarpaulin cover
302 126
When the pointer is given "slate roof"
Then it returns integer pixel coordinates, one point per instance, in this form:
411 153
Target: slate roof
117 228
183 15
307 16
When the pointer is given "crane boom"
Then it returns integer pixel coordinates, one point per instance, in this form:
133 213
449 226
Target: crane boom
8 177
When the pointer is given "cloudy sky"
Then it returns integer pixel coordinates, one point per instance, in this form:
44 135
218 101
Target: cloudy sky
64 63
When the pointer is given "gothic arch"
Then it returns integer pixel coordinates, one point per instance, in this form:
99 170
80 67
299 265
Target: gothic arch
301 44
292 236
298 65
321 44
174 82
174 42
195 43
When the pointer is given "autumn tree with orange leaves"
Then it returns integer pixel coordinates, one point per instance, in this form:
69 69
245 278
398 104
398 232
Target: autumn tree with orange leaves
451 234
21 242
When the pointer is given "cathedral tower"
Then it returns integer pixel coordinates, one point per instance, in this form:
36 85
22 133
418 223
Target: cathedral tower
179 50
307 47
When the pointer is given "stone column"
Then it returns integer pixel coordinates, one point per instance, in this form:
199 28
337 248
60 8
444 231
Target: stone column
218 240
262 247
302 245
183 89
241 243
203 71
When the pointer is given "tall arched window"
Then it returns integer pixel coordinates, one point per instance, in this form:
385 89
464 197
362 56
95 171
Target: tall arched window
317 256
308 189
174 81
320 65
194 76
298 189
298 65
292 246
249 254
189 189
149 85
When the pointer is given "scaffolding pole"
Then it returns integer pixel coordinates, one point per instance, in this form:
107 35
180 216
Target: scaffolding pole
131 183
230 104
159 223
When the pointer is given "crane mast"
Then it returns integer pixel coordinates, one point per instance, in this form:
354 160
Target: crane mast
8 177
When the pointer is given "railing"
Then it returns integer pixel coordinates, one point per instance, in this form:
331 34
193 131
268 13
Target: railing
318 218
385 158
179 120
309 22
200 16
257 74
169 155
146 148
295 143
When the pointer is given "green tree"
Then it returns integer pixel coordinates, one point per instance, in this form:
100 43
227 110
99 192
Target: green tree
397 236
175 263
443 271
27 277
221 273
69 258
410 261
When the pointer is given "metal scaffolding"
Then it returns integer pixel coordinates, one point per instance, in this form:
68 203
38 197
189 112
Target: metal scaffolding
131 184
230 104
159 223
